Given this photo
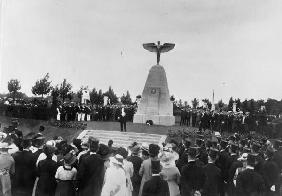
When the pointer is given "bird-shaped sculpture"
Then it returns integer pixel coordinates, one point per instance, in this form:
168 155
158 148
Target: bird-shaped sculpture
158 48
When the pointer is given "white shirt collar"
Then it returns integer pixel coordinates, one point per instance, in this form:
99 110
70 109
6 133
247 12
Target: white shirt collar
92 153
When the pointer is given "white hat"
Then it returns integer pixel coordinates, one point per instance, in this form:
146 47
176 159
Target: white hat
4 145
118 159
243 157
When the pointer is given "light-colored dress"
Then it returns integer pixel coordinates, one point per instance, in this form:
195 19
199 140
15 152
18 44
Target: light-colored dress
7 167
128 168
172 176
65 175
114 182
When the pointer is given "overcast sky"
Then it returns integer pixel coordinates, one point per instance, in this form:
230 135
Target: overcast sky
231 46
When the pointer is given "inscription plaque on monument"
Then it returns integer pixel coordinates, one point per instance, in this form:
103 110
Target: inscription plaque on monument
155 103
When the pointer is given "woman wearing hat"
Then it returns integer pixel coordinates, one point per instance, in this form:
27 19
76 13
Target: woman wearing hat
115 179
66 176
170 173
7 167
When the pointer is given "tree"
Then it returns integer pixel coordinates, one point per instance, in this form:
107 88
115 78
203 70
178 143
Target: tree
111 95
126 99
100 100
207 102
94 96
244 105
13 87
252 107
195 103
220 104
42 86
65 89
238 104
230 104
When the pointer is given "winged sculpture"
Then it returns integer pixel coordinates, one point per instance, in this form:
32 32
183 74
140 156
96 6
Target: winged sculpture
158 48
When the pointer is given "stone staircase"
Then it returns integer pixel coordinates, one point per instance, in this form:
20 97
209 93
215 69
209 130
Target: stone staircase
123 139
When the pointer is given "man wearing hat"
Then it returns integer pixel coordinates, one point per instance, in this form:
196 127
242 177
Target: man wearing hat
270 172
249 182
213 180
136 161
192 175
223 163
183 157
25 174
7 167
90 172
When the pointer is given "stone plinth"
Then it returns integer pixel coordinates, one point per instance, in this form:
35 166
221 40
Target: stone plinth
155 103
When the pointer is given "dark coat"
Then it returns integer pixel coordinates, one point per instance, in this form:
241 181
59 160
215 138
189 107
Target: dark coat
249 183
136 178
25 173
155 187
90 175
213 180
192 178
46 185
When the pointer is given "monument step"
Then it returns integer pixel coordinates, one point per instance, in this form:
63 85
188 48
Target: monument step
123 139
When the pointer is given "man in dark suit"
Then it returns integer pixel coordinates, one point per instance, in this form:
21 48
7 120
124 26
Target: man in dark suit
192 175
24 178
213 180
136 161
155 186
249 182
90 173
122 120
223 163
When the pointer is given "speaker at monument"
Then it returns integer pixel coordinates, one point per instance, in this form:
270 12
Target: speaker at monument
155 104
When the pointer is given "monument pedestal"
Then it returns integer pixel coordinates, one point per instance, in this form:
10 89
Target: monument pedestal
155 103
157 119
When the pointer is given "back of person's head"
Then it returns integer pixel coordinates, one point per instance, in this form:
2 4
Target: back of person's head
192 152
26 143
154 150
110 143
123 152
155 167
93 144
251 159
48 151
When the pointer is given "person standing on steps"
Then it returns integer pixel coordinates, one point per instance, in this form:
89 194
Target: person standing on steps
122 120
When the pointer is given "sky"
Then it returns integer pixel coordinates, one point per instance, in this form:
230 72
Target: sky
231 46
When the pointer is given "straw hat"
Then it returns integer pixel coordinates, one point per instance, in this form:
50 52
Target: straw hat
167 159
70 158
118 159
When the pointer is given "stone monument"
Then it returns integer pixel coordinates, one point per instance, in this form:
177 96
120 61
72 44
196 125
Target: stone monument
155 103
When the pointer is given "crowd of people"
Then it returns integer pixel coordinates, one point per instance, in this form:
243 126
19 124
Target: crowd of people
84 112
236 165
225 121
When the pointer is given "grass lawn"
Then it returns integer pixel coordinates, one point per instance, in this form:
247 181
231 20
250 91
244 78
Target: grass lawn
30 125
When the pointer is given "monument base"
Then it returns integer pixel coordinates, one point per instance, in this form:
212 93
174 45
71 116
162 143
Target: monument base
157 119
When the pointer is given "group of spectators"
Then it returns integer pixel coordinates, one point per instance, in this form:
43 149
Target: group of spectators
237 165
84 112
223 121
